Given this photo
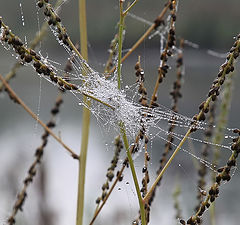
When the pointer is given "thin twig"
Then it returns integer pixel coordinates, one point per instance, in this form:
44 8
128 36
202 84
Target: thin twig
225 69
144 36
35 117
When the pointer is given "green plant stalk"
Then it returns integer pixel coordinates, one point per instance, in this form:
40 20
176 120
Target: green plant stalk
120 43
121 125
129 8
134 175
85 119
120 39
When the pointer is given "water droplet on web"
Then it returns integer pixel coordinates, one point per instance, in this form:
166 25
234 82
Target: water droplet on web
226 136
22 15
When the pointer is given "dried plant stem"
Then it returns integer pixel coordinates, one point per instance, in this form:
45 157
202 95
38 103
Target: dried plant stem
107 196
85 118
53 77
129 8
143 37
114 184
223 175
146 198
225 69
34 116
21 197
39 36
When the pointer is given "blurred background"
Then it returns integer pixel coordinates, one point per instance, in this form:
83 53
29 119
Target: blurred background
209 24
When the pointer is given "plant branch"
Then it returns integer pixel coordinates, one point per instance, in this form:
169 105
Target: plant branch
120 43
121 125
134 175
34 116
146 198
114 184
225 69
144 36
129 8
85 117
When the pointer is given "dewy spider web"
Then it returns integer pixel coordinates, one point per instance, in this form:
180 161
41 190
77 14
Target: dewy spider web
124 108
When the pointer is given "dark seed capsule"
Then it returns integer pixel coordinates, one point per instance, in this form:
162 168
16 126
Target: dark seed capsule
40 4
236 54
182 222
50 21
212 198
50 124
28 58
74 87
66 86
98 200
58 19
220 169
17 41
55 111
207 205
236 131
32 52
231 162
37 57
37 65
46 71
39 70
218 179
144 169
47 12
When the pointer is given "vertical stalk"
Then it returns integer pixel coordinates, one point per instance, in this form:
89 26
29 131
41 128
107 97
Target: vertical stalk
120 41
85 118
134 175
121 125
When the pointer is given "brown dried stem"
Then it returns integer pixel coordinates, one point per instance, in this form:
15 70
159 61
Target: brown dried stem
156 24
223 175
225 69
35 117
39 36
21 197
